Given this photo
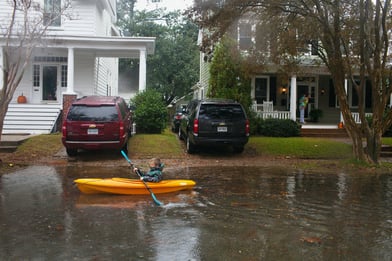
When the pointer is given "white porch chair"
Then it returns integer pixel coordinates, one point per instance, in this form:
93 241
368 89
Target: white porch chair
268 106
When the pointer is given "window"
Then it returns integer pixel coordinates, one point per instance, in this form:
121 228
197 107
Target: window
261 89
221 111
313 46
245 33
93 113
64 73
52 12
36 74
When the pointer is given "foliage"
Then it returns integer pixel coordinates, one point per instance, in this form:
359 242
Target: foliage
228 77
351 38
150 114
254 122
173 69
278 128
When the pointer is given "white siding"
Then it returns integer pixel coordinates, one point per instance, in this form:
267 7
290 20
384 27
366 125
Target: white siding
81 19
6 13
107 80
204 76
84 17
84 74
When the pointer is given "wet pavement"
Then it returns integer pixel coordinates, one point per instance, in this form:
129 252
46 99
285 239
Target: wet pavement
234 213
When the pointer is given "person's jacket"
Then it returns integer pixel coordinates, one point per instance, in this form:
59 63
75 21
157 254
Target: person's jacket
154 174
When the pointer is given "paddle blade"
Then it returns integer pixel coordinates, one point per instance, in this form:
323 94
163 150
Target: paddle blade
156 201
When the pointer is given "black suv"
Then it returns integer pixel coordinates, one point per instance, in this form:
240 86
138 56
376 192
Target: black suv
97 122
214 122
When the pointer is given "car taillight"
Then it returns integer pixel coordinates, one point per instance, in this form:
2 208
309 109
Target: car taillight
121 129
247 128
64 130
196 126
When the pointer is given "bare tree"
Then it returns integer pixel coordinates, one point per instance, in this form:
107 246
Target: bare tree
352 40
23 30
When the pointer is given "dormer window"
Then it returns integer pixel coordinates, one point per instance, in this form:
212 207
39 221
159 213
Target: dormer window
52 15
245 35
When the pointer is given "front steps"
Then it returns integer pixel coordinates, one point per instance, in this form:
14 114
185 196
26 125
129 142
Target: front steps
323 132
31 118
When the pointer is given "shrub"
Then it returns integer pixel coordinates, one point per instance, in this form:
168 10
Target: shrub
255 123
150 114
279 128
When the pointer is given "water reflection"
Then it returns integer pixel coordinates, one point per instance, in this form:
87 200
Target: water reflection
236 213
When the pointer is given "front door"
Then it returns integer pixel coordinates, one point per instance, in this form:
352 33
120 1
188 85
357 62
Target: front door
49 83
308 88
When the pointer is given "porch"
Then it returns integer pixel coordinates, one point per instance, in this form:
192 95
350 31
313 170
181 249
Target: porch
330 116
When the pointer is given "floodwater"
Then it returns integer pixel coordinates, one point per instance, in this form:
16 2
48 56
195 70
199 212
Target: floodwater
234 213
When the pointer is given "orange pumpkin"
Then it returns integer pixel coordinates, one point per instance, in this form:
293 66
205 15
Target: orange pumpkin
22 99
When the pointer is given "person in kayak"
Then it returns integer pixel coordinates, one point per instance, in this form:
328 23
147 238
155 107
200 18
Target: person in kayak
155 172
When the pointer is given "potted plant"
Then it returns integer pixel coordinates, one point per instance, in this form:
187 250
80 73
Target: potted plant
315 115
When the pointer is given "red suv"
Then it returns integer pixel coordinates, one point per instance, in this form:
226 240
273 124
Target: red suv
97 122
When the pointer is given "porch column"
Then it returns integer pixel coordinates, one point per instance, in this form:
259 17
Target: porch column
70 71
1 66
142 70
293 98
345 90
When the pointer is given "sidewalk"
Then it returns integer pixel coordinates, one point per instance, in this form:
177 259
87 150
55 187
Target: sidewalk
9 142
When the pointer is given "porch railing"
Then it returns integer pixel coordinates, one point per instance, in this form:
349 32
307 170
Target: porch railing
356 116
266 111
283 115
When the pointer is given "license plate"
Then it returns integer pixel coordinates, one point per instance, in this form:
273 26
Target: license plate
92 131
222 129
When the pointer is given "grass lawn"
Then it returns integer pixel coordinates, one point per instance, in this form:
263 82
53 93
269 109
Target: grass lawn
301 147
165 145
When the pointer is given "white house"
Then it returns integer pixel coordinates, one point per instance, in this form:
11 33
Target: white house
274 92
78 57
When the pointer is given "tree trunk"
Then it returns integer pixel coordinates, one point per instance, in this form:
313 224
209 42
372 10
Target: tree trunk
3 111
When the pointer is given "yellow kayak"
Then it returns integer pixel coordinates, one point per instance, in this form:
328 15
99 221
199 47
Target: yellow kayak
126 186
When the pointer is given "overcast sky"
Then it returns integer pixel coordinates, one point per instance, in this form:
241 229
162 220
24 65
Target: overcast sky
171 5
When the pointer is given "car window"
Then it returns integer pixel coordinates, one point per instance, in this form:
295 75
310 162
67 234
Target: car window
123 109
92 113
221 111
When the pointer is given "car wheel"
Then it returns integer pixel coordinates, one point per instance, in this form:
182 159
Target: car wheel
190 147
238 149
72 152
179 134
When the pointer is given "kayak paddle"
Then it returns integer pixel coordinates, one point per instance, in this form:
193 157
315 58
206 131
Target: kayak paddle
156 201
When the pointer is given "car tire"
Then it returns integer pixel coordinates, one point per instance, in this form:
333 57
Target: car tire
190 147
72 152
180 134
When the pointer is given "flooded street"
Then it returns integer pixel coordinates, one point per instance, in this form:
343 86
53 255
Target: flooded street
234 213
